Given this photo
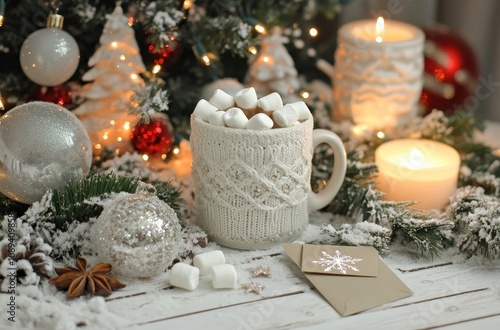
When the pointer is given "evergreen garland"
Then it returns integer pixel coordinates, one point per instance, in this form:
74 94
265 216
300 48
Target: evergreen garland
72 203
478 221
472 214
64 218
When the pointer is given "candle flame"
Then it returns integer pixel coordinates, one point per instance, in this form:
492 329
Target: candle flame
379 29
416 159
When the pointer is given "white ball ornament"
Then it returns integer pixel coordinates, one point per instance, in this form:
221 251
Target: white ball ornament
49 56
42 146
138 234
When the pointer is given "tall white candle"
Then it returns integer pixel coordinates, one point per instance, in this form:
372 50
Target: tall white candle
378 73
424 171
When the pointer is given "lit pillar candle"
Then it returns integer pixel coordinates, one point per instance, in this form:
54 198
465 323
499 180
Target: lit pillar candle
378 73
423 171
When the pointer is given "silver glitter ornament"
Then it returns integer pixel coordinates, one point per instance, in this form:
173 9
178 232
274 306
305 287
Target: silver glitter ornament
42 146
138 234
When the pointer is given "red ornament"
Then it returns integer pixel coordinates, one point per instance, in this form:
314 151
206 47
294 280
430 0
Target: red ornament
154 138
167 55
56 94
451 71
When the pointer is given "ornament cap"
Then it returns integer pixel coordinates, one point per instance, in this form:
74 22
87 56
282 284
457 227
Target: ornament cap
55 21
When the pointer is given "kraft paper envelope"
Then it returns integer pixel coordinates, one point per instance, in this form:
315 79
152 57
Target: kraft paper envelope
351 279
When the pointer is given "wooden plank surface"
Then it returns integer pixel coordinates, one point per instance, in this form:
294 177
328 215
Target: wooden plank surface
445 294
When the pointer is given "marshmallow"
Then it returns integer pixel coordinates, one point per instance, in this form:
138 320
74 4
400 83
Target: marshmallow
302 110
246 98
260 121
217 118
204 109
206 260
235 118
221 100
286 116
270 102
184 276
223 276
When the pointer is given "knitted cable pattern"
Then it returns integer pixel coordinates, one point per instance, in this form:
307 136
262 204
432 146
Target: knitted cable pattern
251 186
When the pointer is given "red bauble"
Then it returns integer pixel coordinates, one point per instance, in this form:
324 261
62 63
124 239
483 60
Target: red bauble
451 71
167 55
55 94
154 138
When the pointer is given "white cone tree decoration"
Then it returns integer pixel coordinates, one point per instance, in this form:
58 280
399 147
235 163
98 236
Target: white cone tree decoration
273 69
114 74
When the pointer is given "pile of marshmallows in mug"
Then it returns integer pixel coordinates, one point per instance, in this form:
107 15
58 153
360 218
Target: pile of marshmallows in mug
246 111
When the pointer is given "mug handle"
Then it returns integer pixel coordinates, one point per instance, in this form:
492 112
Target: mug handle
321 199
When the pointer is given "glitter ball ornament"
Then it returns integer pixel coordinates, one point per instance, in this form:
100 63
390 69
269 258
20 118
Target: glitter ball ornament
42 146
50 56
138 234
451 71
154 138
56 94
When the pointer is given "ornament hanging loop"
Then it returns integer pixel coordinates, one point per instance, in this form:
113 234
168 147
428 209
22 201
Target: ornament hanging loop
55 21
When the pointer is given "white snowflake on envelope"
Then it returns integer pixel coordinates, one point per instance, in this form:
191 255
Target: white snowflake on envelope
339 262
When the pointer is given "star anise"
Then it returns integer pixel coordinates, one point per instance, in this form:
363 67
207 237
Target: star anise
77 279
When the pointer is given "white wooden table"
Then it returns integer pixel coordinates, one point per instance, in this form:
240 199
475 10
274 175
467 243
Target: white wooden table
448 294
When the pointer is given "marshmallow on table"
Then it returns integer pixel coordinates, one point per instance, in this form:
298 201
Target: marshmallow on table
286 116
223 276
204 109
246 98
302 110
217 118
235 118
270 102
221 100
184 276
206 260
260 121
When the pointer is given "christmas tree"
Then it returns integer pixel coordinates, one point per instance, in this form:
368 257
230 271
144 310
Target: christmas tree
273 70
114 76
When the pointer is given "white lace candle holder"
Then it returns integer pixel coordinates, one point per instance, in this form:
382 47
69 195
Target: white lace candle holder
252 187
378 75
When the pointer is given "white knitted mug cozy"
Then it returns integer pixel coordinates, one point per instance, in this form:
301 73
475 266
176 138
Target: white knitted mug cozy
252 187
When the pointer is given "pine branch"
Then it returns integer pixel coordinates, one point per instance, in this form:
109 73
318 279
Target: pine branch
64 218
70 204
361 234
148 100
160 19
74 202
429 235
282 12
168 193
222 34
478 221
